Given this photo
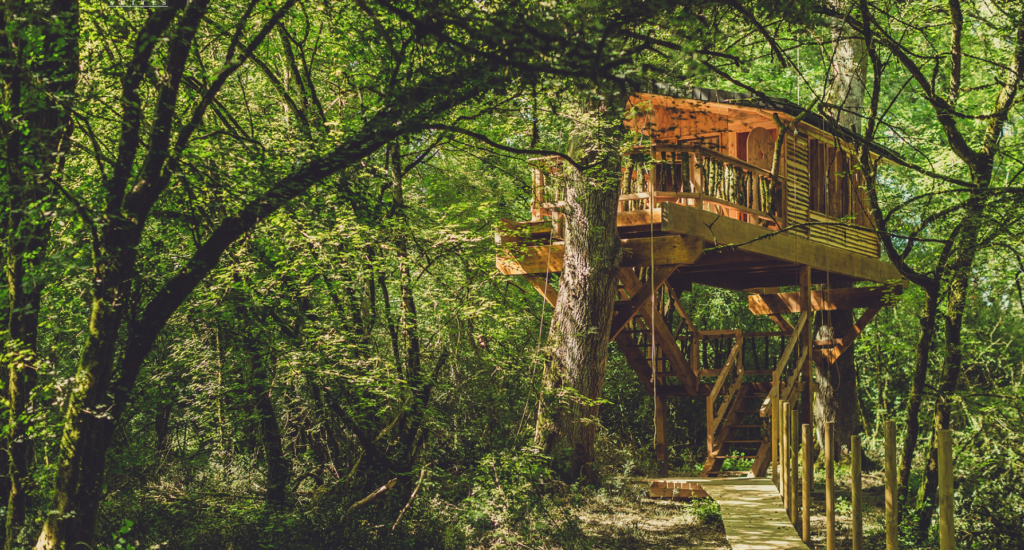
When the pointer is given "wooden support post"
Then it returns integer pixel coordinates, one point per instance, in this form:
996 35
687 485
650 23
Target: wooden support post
855 496
711 418
660 445
946 533
784 452
794 469
892 541
830 488
808 482
806 343
775 439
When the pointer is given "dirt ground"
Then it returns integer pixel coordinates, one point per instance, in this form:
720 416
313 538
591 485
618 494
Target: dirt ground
624 518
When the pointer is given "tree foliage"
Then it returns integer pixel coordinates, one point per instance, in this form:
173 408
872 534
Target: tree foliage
250 262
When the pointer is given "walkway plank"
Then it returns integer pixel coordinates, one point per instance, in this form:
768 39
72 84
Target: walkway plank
752 513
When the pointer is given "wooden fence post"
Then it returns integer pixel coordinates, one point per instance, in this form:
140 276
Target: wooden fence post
891 526
793 466
784 454
830 488
775 439
855 497
808 482
946 532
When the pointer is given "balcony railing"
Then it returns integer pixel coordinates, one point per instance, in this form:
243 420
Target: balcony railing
692 176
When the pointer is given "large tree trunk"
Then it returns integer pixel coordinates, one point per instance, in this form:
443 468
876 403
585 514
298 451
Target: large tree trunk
845 99
960 267
37 90
279 468
836 400
921 363
837 383
581 326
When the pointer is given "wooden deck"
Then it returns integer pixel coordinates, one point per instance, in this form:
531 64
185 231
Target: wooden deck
751 511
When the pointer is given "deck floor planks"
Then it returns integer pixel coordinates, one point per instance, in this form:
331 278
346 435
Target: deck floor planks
752 513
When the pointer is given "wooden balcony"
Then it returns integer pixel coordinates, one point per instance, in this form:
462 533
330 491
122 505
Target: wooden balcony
726 222
690 176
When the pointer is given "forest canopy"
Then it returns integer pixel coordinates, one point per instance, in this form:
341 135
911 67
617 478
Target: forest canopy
251 297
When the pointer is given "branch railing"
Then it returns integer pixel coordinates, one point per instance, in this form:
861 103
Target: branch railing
689 175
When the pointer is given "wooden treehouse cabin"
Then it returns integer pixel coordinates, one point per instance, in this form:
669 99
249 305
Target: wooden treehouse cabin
700 204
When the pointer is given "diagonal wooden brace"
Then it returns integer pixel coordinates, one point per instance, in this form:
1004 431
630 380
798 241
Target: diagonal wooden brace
540 283
641 297
840 346
663 336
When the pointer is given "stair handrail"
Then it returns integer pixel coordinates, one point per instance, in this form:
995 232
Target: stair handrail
766 407
727 368
723 409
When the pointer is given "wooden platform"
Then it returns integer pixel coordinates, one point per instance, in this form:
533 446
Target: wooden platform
751 511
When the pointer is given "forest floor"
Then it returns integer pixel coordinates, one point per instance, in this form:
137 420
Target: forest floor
621 517
624 518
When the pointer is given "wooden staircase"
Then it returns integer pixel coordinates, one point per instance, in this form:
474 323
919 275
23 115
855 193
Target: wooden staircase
741 430
738 421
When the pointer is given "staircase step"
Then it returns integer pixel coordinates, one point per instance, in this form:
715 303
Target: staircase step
748 426
744 441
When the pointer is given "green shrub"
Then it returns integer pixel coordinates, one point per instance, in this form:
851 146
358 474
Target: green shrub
706 511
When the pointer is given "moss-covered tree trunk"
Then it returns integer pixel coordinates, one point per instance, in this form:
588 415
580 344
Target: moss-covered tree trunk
921 362
837 399
279 468
578 342
38 75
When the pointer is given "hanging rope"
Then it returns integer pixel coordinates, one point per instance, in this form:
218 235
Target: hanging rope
654 356
547 274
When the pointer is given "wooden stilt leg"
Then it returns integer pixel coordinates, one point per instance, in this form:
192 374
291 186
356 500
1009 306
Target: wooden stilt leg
806 341
710 419
775 439
830 489
784 452
855 495
808 482
793 468
660 447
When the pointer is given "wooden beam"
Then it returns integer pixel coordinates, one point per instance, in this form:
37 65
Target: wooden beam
636 360
846 341
540 284
539 232
674 296
827 300
636 301
719 230
783 324
668 250
663 336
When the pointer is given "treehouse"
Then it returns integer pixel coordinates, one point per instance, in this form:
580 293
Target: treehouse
711 195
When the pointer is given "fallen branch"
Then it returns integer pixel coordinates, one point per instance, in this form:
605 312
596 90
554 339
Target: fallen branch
374 496
423 473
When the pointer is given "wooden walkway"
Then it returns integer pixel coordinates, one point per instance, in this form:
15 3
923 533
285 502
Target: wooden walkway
751 511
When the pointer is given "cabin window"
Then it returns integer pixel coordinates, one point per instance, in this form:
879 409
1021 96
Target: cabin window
832 184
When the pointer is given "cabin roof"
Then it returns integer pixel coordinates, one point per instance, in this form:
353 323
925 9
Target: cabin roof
752 103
